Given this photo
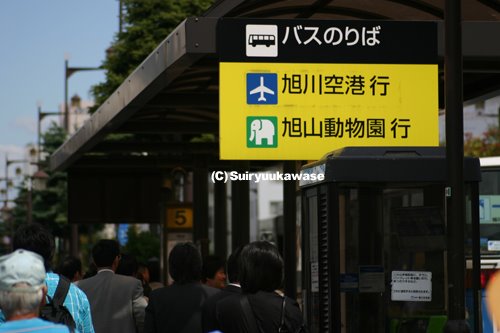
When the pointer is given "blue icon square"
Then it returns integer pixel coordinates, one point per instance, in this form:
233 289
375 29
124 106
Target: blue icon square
262 88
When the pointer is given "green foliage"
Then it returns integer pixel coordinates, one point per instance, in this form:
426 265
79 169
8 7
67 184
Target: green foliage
143 245
486 145
146 24
50 205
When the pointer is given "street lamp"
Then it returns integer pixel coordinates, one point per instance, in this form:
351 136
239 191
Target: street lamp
37 181
68 71
41 115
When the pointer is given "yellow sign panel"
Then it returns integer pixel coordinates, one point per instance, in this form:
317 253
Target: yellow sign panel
179 217
286 111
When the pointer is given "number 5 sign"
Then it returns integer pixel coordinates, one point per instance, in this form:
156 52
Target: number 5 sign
179 216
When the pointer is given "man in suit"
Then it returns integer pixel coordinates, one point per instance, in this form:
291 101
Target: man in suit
209 316
177 308
116 301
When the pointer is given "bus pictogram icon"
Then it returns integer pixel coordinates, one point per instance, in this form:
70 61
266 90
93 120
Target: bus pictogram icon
261 40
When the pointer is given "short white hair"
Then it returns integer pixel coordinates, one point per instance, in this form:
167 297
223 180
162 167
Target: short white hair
19 301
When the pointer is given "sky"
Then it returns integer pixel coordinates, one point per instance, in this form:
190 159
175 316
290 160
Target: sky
36 36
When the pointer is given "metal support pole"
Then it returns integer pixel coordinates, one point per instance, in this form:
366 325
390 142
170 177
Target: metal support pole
240 207
66 108
220 219
290 230
68 71
5 206
455 214
39 133
30 202
200 201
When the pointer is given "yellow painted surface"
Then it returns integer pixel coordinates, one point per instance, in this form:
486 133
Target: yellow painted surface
396 105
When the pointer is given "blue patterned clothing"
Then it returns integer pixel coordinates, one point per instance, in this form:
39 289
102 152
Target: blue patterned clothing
76 301
32 325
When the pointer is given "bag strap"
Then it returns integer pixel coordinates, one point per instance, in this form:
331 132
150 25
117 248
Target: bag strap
248 314
61 291
282 320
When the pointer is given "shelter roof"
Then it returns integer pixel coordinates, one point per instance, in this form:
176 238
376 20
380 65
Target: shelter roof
168 108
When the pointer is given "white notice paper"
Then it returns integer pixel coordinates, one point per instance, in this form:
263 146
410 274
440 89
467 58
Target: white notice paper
413 286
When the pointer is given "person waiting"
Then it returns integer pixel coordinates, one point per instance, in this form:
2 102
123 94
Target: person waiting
214 272
22 293
260 308
209 316
36 238
71 268
117 301
177 308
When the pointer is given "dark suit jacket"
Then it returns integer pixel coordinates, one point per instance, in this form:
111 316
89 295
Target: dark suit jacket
116 302
209 318
177 308
266 308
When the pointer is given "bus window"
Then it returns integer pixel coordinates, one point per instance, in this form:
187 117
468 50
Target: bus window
266 40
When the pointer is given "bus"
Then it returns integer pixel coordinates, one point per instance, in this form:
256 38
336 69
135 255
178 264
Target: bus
489 229
267 40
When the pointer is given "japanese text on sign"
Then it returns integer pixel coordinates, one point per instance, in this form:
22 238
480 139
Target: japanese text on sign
349 36
349 127
354 84
282 111
412 286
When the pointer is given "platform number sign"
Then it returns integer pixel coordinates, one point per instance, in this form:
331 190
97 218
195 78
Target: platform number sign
179 217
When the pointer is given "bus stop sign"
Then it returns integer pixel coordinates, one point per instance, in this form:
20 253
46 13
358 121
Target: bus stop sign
295 89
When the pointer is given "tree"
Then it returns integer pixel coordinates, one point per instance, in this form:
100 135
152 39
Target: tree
49 206
486 145
143 245
146 24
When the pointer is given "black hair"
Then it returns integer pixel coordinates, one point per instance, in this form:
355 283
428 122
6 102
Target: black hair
154 269
105 252
34 237
260 268
184 263
128 265
232 265
211 264
69 266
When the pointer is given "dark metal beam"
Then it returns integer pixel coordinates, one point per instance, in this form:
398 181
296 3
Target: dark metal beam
140 162
163 127
195 99
455 217
157 146
290 230
220 219
240 207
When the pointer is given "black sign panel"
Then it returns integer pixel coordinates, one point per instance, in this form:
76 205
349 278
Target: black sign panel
327 41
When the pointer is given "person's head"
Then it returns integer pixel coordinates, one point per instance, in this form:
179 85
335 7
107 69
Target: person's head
154 269
128 265
22 283
260 268
70 267
106 253
213 272
232 265
184 263
35 238
143 273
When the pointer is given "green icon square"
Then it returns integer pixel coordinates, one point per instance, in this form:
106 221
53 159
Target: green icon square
262 132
